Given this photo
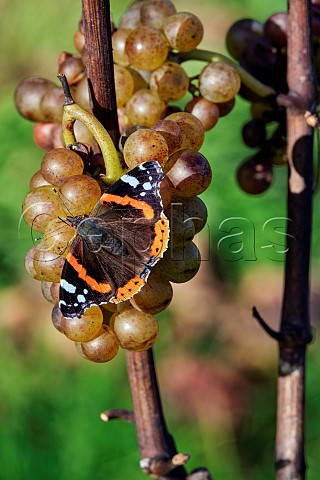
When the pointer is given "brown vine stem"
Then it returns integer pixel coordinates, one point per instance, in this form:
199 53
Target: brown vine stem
295 323
99 64
158 451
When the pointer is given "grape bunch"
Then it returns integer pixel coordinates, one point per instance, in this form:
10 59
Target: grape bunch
148 79
261 49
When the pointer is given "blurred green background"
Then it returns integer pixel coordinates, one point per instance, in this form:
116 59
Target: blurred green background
217 369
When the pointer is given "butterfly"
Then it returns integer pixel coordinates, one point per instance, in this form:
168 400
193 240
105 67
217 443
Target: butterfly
116 245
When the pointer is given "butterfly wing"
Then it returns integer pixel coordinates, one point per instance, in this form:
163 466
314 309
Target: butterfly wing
133 232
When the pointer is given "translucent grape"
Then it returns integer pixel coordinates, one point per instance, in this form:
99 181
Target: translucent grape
28 96
85 328
48 266
191 129
124 85
154 12
170 82
219 82
40 206
179 264
50 291
119 39
207 112
184 31
171 132
136 331
103 348
79 194
60 164
58 236
144 145
146 48
51 105
155 296
144 108
37 180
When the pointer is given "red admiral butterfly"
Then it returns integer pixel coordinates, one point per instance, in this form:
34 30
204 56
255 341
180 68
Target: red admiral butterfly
125 234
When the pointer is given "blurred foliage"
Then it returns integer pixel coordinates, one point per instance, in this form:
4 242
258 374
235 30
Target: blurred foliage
49 403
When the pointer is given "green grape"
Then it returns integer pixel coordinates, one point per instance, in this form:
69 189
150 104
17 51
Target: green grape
146 48
184 31
103 348
191 129
170 82
40 206
155 296
37 180
144 145
60 164
85 328
124 85
144 108
135 330
219 82
79 194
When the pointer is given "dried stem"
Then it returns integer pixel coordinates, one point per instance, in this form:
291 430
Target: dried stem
97 33
295 322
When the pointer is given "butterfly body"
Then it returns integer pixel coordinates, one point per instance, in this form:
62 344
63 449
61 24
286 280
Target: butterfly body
117 244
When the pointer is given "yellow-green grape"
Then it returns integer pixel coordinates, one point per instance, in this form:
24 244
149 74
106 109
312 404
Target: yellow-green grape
85 328
144 145
79 194
155 296
131 18
124 85
60 164
170 82
40 206
144 108
207 112
28 262
189 172
50 291
119 38
78 41
182 229
179 264
171 132
37 180
81 94
154 12
51 105
219 82
184 31
136 331
146 48
48 266
191 129
101 349
58 236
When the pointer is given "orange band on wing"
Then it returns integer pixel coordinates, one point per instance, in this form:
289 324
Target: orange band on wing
160 242
140 204
82 272
128 290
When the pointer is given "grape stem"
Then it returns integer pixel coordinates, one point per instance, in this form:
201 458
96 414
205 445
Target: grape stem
73 112
247 79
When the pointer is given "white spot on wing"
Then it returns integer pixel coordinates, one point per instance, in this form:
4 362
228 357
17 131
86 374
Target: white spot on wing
62 302
68 287
85 291
81 299
142 194
132 181
147 186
